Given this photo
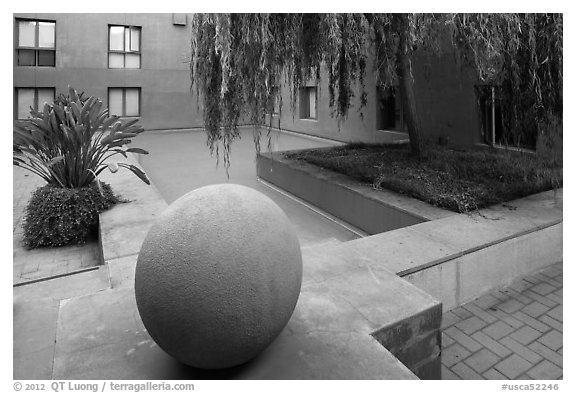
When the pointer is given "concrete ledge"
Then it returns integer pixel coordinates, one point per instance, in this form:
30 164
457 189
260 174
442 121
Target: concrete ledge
115 345
65 287
467 276
373 211
402 318
123 228
459 258
416 342
454 257
358 316
336 332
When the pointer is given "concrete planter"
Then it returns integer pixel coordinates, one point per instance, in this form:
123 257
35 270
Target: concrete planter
368 308
454 257
373 211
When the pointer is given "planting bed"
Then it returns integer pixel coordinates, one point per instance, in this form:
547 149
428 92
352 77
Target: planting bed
453 257
458 180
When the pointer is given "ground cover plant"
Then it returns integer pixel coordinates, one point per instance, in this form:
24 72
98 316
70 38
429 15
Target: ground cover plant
456 179
57 216
68 144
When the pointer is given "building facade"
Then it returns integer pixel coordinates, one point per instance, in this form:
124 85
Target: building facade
138 64
446 98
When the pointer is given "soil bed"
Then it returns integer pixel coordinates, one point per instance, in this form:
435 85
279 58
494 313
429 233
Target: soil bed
458 180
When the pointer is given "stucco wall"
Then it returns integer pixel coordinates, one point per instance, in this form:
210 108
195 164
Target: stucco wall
353 129
82 62
445 94
445 100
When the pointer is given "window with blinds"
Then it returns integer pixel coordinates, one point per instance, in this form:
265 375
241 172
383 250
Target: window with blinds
36 43
124 101
124 46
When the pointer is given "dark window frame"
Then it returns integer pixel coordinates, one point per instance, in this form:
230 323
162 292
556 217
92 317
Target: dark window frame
305 102
125 52
139 89
36 48
35 88
387 102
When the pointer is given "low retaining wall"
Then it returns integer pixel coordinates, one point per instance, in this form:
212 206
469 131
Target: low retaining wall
408 277
459 258
123 228
483 265
346 290
454 257
373 211
388 330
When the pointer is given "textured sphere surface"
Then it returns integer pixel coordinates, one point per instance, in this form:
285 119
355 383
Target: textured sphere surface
218 276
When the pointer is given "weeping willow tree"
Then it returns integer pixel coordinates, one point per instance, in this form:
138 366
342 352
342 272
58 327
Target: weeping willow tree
239 60
521 54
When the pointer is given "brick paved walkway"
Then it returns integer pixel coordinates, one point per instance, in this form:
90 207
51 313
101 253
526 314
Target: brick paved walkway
43 262
511 333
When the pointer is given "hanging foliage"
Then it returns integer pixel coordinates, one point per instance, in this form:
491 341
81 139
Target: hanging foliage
239 60
521 54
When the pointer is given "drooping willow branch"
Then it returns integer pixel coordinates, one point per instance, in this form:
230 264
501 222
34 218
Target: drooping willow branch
239 61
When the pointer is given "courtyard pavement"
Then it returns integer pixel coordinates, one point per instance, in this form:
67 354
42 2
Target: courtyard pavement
42 263
510 333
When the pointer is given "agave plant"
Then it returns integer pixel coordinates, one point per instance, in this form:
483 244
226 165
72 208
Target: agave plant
70 142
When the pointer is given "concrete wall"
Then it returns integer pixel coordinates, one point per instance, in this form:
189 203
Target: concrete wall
445 94
372 211
354 129
82 62
464 278
445 100
454 257
388 330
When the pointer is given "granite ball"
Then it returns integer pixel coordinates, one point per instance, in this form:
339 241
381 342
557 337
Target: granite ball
218 276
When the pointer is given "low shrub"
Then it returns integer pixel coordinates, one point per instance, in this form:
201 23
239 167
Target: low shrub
68 143
57 216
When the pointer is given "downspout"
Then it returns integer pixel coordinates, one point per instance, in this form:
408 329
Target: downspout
493 117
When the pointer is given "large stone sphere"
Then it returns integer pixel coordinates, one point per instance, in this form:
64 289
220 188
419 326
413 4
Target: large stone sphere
218 276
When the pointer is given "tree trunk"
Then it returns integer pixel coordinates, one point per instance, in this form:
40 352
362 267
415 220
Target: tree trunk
407 93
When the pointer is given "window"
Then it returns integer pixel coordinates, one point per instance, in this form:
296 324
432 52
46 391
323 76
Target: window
390 114
34 97
124 46
36 43
124 101
308 104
